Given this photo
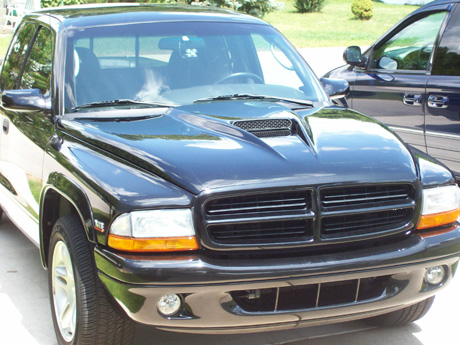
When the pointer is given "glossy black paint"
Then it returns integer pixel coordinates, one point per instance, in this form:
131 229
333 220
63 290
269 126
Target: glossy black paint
382 93
137 282
335 88
198 268
25 100
357 144
102 163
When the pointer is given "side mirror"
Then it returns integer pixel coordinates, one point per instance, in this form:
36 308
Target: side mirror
26 100
352 56
335 88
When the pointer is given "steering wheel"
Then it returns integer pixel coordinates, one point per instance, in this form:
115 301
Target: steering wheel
253 76
422 59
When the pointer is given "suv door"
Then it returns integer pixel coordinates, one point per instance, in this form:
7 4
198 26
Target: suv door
443 98
25 134
396 76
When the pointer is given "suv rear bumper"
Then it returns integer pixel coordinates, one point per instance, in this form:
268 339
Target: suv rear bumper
267 294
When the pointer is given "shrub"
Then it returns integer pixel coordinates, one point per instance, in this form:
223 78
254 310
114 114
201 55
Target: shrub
363 9
304 6
56 3
256 8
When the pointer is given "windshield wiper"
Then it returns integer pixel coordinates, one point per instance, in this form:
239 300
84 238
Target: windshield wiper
121 102
239 96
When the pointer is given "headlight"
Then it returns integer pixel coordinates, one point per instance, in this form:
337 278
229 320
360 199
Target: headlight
154 231
441 206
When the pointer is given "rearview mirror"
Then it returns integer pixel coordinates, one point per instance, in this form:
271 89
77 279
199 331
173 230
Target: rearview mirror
28 99
335 88
352 55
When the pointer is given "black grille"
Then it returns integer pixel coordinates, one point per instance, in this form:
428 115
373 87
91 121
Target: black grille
312 296
307 217
262 232
365 223
259 204
365 210
365 196
246 219
266 128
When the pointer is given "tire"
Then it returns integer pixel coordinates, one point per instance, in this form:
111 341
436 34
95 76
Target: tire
82 312
403 316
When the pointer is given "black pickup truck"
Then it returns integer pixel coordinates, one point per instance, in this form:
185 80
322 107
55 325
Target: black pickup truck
183 167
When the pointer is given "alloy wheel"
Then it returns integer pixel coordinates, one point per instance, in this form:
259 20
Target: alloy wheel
63 288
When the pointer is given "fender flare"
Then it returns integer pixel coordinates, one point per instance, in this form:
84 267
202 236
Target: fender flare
76 196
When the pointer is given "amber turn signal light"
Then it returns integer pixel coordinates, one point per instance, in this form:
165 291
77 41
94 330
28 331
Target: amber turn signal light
163 244
438 219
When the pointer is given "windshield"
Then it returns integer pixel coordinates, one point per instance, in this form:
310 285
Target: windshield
171 64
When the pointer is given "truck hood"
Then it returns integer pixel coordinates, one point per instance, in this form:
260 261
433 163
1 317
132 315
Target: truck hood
198 147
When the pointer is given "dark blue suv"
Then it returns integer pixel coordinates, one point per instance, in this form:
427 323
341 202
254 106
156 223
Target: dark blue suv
410 80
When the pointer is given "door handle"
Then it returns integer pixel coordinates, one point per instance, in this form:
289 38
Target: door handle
413 100
6 126
438 101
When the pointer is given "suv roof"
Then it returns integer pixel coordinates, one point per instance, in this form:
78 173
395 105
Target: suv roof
97 14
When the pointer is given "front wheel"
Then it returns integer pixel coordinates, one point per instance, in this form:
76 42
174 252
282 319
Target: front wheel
403 316
82 312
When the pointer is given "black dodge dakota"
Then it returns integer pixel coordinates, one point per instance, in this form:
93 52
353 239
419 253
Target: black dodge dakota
183 167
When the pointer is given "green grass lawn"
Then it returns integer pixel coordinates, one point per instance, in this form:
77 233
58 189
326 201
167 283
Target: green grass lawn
335 25
4 42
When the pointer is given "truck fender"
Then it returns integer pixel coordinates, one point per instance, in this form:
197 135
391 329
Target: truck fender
59 185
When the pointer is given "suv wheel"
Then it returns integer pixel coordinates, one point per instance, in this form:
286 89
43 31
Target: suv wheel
403 316
82 312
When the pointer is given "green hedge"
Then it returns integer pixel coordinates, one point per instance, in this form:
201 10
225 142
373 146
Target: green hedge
363 9
307 6
257 8
56 3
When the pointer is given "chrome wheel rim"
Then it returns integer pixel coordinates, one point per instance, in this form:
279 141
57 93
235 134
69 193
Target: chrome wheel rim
63 288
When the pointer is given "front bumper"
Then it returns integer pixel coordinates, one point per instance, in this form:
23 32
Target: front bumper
267 294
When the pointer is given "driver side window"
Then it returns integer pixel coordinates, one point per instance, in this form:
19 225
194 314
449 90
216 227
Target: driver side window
12 69
411 47
38 68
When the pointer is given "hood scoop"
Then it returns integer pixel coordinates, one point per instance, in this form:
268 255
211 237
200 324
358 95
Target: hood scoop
267 128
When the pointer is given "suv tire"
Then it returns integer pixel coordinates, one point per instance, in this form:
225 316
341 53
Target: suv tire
80 308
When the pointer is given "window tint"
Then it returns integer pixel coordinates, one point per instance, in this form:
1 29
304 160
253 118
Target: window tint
277 68
447 58
411 47
126 51
172 63
15 58
37 71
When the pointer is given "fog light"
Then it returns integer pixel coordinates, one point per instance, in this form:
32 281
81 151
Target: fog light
169 304
435 275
